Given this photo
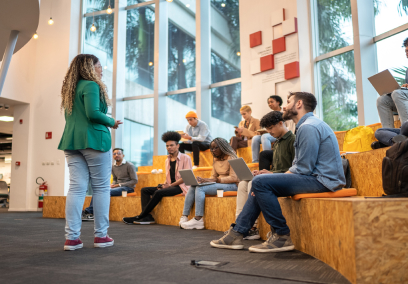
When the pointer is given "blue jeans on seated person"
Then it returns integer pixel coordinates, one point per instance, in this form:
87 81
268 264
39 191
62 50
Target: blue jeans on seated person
385 135
266 140
198 193
267 188
117 191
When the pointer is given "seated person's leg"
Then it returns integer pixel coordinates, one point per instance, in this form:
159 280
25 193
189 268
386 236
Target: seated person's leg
244 189
145 193
145 218
196 153
88 211
386 108
265 160
267 141
400 98
256 142
385 135
189 200
117 191
234 142
185 146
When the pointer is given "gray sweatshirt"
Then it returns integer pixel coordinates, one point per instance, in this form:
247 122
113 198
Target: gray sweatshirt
125 174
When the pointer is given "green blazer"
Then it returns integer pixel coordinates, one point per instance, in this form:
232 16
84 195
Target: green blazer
87 127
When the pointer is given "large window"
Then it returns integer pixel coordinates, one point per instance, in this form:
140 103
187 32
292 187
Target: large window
389 14
178 106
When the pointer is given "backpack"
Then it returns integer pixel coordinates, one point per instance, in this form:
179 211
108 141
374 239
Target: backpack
395 169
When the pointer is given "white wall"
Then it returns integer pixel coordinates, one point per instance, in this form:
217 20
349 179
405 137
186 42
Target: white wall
35 77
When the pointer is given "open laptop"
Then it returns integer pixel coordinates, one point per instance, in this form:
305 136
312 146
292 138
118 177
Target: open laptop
384 83
241 169
190 179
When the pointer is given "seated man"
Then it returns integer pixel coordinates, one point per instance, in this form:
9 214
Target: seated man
124 179
389 136
198 137
316 168
174 184
246 129
397 101
283 154
275 104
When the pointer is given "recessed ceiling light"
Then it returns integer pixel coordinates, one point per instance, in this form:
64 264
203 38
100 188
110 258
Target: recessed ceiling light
6 118
187 5
222 4
9 138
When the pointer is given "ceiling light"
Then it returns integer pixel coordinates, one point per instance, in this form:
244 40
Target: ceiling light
9 138
184 61
6 118
35 36
109 10
50 21
222 4
239 53
150 63
106 67
93 28
169 1
187 5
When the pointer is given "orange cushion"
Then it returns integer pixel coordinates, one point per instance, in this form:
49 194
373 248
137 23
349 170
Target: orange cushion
345 192
202 169
250 165
132 194
226 194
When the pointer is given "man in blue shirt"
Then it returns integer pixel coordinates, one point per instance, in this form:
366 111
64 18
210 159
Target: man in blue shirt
316 168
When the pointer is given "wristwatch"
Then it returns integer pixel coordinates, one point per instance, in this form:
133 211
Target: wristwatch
120 185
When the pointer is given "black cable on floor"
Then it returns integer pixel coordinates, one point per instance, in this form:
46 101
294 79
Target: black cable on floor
261 276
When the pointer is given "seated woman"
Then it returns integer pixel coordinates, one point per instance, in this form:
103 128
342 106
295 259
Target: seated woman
222 174
389 136
246 129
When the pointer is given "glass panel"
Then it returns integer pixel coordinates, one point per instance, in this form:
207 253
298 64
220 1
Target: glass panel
338 87
225 40
181 50
391 55
133 2
97 5
389 14
139 131
225 105
182 103
335 29
100 44
140 51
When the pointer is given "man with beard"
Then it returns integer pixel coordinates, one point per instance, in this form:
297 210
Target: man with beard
316 168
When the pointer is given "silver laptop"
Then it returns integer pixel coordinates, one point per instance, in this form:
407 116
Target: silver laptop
241 169
190 179
384 83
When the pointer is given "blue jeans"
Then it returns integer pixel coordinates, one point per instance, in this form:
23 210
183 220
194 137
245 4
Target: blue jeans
385 135
117 191
266 140
267 188
198 193
84 165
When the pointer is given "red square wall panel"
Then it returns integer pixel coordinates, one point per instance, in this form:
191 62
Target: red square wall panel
267 63
292 70
278 45
255 39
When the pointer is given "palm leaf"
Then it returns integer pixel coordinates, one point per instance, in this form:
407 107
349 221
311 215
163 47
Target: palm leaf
400 74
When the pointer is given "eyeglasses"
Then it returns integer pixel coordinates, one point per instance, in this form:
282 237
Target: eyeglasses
214 149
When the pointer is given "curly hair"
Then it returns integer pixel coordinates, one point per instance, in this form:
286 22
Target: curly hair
270 119
171 136
277 99
82 67
225 147
405 43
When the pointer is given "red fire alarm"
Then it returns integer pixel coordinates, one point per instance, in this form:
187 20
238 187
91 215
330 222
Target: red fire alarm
17 163
21 121
48 135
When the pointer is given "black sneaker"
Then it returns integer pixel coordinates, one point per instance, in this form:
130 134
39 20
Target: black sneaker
130 220
87 217
148 220
377 145
253 234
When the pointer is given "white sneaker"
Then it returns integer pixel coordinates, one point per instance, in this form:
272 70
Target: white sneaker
183 219
193 224
194 167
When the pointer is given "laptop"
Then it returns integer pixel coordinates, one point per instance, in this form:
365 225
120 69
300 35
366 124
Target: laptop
384 83
190 179
241 169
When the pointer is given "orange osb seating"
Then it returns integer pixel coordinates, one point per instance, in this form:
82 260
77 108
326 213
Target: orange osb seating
143 173
199 169
250 165
345 192
226 194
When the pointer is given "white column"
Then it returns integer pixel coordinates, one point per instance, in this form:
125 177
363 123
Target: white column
160 74
203 60
8 53
119 61
365 60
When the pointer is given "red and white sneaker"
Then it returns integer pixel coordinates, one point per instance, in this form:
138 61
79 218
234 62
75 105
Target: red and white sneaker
73 244
103 242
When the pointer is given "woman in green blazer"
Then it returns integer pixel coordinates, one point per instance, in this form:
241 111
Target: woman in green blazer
86 143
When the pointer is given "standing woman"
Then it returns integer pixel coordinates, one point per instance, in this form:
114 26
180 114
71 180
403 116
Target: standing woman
86 143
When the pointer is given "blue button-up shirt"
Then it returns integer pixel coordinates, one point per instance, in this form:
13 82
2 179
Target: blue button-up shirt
317 153
200 132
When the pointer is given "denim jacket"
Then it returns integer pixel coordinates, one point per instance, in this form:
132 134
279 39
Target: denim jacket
317 153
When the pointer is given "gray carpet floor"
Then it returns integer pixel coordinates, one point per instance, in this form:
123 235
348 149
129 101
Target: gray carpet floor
31 251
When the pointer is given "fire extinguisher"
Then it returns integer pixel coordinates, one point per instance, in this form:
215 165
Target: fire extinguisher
42 191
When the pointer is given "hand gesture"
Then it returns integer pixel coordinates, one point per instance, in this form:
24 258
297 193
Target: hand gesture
117 123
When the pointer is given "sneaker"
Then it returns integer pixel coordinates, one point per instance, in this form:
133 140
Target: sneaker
103 242
253 234
377 145
73 244
130 220
274 243
230 240
194 167
183 219
87 216
148 220
193 224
